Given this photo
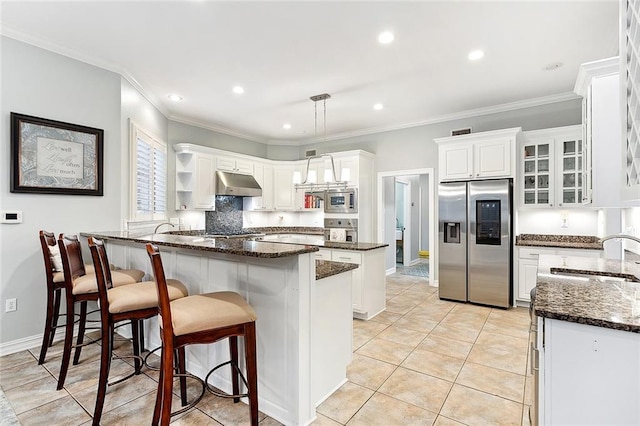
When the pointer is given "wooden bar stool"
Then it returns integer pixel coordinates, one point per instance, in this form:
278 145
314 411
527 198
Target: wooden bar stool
82 287
54 274
134 302
202 319
55 285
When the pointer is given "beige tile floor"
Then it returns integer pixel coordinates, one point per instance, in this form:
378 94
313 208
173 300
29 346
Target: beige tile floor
421 362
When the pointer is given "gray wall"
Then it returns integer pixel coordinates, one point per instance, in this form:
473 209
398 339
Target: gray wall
415 216
44 84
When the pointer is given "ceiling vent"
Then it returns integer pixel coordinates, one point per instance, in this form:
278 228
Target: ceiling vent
461 132
310 153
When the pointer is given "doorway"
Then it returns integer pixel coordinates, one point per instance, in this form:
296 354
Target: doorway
406 219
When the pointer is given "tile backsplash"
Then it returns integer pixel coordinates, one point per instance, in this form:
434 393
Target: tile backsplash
227 217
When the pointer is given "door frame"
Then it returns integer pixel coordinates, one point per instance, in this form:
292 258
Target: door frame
433 225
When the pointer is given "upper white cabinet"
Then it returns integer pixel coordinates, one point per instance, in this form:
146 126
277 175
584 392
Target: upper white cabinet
599 84
630 71
235 165
264 176
284 194
195 179
204 193
550 167
478 155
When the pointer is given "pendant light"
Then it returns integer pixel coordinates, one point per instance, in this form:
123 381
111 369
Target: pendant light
330 179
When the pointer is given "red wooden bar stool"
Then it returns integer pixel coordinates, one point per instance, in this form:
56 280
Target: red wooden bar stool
134 303
202 318
80 286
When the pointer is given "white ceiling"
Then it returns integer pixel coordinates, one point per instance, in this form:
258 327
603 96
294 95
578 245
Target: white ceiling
284 52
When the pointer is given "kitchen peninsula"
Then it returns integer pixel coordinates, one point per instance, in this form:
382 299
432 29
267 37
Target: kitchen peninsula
588 340
304 326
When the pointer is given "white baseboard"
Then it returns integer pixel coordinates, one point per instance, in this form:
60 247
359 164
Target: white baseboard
24 344
435 283
390 271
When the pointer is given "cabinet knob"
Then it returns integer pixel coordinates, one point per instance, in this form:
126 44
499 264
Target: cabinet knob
471 175
477 174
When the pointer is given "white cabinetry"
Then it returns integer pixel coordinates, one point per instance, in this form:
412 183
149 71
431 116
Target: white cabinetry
205 193
195 184
264 176
589 374
478 155
599 84
368 285
630 71
235 165
527 265
185 180
284 193
550 167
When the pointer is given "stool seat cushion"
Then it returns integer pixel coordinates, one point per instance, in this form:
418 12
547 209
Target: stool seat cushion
208 311
142 295
87 283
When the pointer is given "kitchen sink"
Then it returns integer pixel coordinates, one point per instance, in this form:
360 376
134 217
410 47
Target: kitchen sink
601 276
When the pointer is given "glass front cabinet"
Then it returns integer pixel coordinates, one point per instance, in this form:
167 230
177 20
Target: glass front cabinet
551 167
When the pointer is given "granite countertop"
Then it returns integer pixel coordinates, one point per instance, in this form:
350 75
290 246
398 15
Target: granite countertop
286 230
590 294
238 246
327 268
353 246
588 242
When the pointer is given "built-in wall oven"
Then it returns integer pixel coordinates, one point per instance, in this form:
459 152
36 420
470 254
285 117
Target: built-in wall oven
341 201
341 230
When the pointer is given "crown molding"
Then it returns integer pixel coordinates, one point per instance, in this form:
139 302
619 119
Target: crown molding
218 129
8 31
588 71
511 106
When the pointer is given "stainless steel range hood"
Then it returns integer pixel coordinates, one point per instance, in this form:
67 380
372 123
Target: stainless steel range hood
237 184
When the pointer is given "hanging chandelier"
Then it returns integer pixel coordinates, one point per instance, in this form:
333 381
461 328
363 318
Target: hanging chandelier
330 179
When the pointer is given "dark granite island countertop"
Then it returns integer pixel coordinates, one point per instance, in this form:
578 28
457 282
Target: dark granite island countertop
237 246
589 291
327 268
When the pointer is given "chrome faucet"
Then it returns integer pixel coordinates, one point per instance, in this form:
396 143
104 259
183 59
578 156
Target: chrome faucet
624 236
155 231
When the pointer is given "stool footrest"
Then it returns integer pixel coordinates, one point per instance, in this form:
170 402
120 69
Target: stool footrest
192 403
225 395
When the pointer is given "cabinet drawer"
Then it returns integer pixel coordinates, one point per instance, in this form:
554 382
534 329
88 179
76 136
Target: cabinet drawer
534 253
323 255
580 252
346 256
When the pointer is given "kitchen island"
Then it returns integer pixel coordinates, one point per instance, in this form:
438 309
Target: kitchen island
304 325
588 340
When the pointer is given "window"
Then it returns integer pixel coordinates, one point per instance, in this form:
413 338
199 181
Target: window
149 176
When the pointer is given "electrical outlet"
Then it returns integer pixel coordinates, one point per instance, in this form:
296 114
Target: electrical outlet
11 305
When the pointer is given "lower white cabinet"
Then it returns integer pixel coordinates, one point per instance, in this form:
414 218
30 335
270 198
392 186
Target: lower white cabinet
528 265
588 374
368 285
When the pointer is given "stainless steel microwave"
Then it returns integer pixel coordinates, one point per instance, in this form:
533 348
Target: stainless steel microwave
341 201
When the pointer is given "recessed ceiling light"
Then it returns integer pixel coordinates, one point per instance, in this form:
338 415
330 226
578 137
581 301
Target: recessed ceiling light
385 37
378 107
239 90
175 98
286 126
475 55
553 66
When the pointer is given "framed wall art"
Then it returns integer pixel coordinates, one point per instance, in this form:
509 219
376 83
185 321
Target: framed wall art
52 157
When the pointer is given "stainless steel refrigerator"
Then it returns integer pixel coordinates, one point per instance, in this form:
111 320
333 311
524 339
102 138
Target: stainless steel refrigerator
475 242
